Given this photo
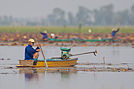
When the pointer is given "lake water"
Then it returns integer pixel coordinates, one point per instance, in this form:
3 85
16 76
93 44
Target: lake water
32 78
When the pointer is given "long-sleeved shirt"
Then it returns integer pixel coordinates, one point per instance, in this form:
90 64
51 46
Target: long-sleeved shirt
114 32
44 35
29 51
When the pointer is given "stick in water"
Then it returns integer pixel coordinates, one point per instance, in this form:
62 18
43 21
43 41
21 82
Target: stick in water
46 66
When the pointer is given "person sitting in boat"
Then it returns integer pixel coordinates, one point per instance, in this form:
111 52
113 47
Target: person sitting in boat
30 52
114 31
52 35
45 35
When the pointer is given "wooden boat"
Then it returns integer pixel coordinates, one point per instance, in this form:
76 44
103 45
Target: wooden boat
50 62
80 40
83 40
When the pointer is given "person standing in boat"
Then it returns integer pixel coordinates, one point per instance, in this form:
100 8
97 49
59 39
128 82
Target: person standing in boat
114 31
30 52
45 35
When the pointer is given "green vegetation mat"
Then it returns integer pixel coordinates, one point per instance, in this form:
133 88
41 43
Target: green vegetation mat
94 29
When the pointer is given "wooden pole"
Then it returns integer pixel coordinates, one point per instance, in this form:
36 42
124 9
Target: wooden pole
46 66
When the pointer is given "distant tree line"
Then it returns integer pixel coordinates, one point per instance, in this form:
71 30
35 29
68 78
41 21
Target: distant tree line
104 16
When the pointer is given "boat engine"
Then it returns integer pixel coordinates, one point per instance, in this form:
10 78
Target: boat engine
65 53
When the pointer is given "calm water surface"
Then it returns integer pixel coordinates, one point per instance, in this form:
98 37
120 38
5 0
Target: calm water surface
14 78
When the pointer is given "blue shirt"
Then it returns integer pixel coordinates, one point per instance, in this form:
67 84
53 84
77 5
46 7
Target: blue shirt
29 51
44 35
114 32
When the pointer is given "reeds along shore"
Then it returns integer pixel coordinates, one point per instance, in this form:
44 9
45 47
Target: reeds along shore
22 38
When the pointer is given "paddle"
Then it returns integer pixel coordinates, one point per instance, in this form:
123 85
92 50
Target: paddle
46 66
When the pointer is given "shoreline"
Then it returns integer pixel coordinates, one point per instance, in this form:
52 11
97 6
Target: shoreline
57 44
21 39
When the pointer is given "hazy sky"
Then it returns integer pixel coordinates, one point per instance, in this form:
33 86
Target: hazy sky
40 8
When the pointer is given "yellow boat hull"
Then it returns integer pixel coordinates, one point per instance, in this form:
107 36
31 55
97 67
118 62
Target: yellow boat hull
55 63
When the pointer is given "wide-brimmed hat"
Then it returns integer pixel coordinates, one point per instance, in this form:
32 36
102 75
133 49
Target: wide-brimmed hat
31 40
45 31
113 29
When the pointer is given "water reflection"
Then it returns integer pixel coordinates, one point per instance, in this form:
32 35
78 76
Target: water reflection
116 51
65 74
32 74
35 78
